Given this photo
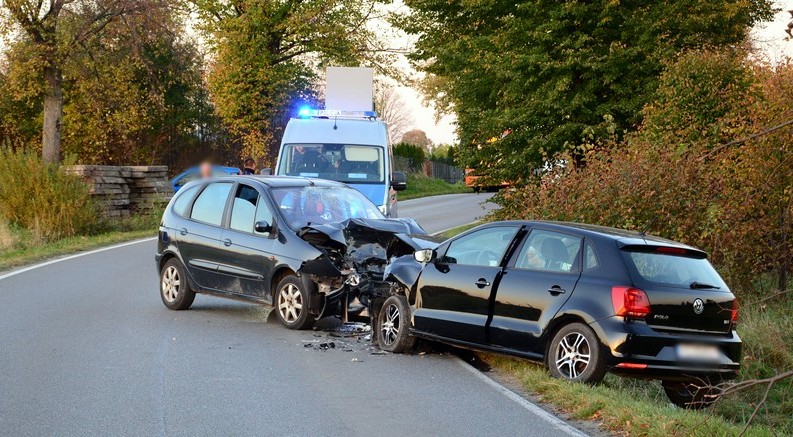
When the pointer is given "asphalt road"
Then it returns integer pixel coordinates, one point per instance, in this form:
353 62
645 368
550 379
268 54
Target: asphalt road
87 348
440 213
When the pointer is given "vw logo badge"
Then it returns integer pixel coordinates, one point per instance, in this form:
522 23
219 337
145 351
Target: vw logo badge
699 306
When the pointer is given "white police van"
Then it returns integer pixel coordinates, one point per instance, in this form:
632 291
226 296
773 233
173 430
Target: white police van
346 146
346 143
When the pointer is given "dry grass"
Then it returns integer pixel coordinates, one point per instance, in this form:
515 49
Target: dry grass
7 239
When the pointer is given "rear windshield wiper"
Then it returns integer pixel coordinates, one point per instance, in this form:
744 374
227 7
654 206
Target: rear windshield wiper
700 285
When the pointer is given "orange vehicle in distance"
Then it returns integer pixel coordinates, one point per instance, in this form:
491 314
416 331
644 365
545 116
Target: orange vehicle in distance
472 181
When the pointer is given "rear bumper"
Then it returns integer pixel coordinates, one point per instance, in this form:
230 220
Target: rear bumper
635 349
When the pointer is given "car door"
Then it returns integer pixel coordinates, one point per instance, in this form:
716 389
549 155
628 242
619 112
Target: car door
199 239
250 257
537 281
454 292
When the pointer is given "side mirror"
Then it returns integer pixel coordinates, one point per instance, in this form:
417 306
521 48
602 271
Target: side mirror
262 227
399 181
424 255
266 171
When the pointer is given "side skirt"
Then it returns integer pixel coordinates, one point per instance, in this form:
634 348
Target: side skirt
479 347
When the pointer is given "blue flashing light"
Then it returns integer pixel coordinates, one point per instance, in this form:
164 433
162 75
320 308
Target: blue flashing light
306 112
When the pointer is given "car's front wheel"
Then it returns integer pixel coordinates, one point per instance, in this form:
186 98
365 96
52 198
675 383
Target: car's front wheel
575 354
291 303
175 291
691 395
393 324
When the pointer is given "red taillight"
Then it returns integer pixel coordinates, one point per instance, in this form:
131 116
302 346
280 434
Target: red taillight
630 302
734 312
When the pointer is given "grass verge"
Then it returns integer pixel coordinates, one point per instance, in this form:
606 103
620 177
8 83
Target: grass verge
420 185
20 246
28 254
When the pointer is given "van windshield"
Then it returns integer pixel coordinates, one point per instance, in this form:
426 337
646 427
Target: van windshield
338 162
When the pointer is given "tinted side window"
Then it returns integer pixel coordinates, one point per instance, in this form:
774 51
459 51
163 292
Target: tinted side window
210 204
550 251
243 210
590 257
181 205
485 247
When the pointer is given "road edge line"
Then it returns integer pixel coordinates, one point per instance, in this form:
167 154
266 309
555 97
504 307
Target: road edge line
70 257
554 421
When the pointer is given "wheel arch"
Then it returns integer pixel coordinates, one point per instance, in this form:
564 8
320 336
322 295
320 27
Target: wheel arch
558 323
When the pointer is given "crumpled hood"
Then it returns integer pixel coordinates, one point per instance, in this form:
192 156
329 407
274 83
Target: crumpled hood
368 243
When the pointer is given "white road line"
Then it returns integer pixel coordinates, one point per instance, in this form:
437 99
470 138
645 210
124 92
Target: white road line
77 255
554 421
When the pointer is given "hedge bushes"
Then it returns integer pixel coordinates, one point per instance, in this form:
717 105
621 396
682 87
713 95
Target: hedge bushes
676 178
43 199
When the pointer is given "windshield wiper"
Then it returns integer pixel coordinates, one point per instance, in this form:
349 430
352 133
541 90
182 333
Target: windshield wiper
700 285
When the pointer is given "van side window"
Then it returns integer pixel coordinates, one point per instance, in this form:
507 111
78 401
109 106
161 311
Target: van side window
211 203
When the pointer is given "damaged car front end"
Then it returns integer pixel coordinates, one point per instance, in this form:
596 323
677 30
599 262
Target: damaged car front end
352 272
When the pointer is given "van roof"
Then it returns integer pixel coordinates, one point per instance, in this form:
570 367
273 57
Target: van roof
346 131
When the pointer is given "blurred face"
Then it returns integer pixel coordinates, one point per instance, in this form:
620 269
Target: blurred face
205 170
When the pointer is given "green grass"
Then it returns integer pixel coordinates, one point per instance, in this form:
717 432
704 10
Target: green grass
420 185
636 407
458 230
19 246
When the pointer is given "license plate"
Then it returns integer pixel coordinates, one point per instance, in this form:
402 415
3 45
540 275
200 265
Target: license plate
698 352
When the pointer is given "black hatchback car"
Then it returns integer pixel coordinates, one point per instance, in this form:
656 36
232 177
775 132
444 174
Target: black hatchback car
582 299
247 238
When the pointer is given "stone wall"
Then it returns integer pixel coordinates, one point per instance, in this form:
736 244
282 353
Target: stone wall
123 190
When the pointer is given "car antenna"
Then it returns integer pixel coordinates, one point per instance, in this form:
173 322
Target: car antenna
647 228
334 123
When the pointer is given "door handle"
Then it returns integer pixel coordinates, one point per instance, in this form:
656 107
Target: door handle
482 283
227 242
555 289
183 231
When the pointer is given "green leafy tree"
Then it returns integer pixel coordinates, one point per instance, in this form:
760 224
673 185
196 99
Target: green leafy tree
266 58
53 30
528 79
132 94
414 153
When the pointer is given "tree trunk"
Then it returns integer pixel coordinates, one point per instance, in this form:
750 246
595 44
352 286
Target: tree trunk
53 114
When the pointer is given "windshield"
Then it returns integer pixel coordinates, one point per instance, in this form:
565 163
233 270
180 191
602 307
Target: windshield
339 162
302 206
674 271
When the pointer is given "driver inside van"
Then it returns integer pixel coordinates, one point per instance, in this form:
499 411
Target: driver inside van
308 159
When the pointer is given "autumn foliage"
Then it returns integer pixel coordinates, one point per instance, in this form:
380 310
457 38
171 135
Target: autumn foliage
689 173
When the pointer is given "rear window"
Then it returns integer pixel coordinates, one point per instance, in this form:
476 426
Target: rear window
673 270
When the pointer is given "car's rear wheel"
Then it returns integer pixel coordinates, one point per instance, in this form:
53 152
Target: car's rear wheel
575 354
393 325
291 303
175 291
694 395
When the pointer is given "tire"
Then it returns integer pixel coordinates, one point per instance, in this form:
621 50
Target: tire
291 303
692 395
392 328
175 290
575 354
